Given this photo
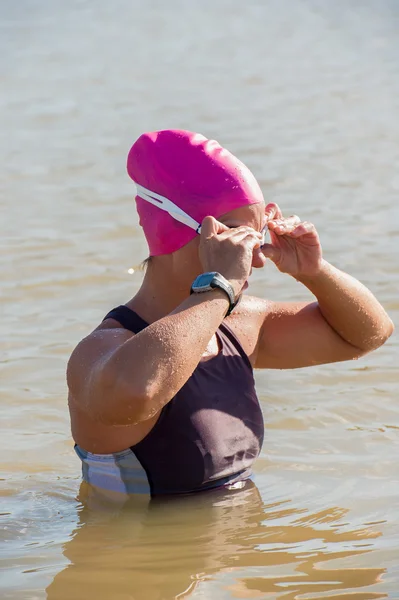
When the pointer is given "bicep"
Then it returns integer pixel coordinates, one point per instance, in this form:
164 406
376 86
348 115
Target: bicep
297 335
86 371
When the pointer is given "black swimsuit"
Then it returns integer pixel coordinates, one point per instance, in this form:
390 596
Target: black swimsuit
207 436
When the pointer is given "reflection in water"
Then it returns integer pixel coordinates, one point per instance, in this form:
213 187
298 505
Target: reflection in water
160 549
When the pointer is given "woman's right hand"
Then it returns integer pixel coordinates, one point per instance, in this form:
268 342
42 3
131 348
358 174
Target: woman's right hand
229 251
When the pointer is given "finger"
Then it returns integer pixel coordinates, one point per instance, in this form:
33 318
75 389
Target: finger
245 234
288 221
272 211
242 231
272 252
254 241
284 226
210 227
238 233
303 228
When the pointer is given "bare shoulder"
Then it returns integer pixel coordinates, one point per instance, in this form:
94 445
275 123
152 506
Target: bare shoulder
247 320
92 352
253 305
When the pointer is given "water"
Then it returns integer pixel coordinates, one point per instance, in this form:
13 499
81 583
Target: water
306 92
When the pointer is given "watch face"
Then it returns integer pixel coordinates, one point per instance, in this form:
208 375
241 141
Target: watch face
203 281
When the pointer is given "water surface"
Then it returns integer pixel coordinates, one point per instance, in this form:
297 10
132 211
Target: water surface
306 93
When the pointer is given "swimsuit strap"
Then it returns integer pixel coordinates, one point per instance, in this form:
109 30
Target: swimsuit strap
127 318
231 336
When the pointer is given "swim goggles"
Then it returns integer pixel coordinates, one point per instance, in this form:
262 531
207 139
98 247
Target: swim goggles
177 213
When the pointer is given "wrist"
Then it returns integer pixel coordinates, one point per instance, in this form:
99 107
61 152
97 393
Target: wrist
323 269
215 300
206 282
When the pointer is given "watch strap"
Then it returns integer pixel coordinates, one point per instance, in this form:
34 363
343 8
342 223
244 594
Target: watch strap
216 281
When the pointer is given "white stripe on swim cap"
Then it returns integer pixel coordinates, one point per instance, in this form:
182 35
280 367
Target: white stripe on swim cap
167 205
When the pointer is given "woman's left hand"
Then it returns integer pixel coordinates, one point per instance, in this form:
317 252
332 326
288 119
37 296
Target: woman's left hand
295 246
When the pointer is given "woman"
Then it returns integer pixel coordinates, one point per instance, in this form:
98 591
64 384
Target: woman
162 396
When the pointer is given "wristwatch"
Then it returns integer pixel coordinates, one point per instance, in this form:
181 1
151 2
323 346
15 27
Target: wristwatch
209 281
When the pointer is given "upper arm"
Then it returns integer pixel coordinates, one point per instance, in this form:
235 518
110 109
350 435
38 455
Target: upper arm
297 335
89 385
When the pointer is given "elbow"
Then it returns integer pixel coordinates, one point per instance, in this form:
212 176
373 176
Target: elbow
384 332
389 328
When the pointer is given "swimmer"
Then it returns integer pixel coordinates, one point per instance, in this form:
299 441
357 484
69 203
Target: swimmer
161 394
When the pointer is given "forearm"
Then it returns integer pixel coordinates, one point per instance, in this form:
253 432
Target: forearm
150 368
349 308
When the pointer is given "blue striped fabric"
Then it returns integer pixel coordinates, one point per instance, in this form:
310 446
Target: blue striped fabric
117 472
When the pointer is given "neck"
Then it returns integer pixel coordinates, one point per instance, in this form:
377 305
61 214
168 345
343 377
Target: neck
160 293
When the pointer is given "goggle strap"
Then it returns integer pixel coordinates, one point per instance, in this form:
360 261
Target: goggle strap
168 206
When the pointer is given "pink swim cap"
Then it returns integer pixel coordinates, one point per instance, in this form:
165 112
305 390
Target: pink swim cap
196 174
